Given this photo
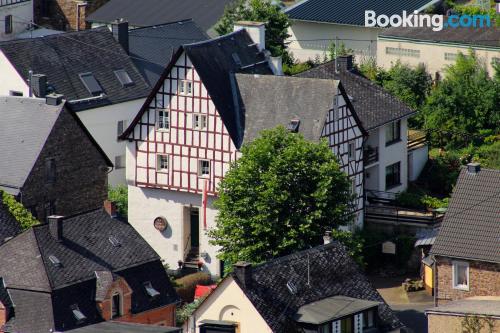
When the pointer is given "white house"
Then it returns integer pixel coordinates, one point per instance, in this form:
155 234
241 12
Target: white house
192 125
316 24
93 72
15 17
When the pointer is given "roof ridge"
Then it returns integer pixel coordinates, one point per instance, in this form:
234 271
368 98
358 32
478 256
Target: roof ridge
163 24
218 38
53 36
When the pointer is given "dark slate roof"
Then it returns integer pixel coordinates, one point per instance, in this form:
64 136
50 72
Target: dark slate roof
215 63
151 48
460 35
146 13
268 101
471 226
63 57
25 125
332 272
118 327
32 312
372 103
9 227
350 12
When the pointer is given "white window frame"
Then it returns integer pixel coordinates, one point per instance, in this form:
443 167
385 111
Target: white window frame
185 87
159 168
202 120
455 266
351 150
200 169
166 120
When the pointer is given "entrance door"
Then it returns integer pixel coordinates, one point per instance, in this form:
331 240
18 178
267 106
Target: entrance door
195 228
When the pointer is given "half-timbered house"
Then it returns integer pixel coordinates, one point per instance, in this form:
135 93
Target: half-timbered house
190 129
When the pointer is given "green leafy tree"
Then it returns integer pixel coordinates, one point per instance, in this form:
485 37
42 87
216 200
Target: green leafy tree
279 197
341 51
17 210
276 22
465 103
119 195
354 243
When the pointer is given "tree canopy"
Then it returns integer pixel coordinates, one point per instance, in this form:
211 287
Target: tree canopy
279 197
276 22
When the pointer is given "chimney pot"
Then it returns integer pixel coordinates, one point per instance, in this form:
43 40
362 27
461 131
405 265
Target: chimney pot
39 85
119 28
256 30
473 168
110 207
345 63
56 226
327 238
243 271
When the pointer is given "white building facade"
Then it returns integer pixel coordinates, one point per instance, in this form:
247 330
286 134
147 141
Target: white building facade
15 17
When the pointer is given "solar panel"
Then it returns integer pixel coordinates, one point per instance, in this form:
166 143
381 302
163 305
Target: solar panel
90 82
124 78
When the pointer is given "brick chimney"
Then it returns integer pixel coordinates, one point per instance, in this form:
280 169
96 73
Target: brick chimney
473 168
256 30
110 208
39 85
56 227
53 99
119 28
345 63
243 271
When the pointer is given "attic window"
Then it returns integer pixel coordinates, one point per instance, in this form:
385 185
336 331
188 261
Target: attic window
114 241
124 78
77 314
56 262
90 82
152 292
293 125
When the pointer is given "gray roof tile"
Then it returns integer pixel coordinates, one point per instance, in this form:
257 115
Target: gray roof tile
9 227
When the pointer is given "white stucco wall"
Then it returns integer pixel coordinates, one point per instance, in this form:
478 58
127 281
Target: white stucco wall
22 14
102 124
417 158
10 78
432 55
229 303
309 39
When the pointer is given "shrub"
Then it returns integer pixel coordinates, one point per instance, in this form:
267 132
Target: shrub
296 68
188 283
183 313
17 210
119 195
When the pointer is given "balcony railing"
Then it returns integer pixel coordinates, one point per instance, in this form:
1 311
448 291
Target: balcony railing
399 215
370 155
11 2
416 139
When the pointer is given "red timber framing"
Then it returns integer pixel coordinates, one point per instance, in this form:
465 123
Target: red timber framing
183 144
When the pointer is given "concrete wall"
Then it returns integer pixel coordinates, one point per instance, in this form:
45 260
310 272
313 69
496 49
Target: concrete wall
432 55
102 124
484 280
418 159
22 14
309 39
438 323
229 303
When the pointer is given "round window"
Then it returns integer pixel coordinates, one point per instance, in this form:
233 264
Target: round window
160 223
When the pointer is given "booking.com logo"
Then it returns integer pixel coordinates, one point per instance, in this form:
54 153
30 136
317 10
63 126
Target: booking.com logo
416 20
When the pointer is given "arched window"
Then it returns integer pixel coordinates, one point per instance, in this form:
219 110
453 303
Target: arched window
116 305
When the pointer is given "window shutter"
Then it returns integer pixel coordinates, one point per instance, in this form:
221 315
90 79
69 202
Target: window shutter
336 326
358 323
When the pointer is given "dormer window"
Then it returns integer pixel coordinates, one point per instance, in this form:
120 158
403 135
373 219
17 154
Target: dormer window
78 314
185 87
152 292
124 78
90 82
293 125
163 122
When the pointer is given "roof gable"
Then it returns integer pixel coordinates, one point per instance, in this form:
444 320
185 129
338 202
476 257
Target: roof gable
373 104
471 225
351 12
64 57
317 273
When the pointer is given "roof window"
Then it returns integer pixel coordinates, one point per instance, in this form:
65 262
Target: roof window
90 82
152 292
77 314
56 262
124 78
114 241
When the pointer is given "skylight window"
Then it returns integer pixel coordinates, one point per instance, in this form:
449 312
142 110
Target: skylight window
77 314
56 262
90 82
124 78
152 292
114 241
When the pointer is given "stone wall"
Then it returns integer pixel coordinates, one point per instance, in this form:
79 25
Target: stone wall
453 324
80 173
62 14
484 280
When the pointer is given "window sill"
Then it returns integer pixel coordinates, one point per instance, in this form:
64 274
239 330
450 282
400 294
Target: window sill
393 142
461 288
163 130
390 187
164 171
